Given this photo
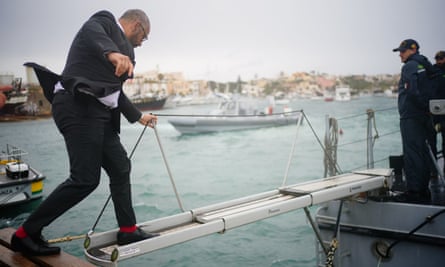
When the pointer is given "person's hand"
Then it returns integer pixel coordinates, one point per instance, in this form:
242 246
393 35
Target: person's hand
122 63
149 120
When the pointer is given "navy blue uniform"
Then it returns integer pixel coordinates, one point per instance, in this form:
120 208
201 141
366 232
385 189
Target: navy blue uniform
415 122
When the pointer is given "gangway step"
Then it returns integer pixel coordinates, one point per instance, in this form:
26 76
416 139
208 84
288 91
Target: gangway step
101 248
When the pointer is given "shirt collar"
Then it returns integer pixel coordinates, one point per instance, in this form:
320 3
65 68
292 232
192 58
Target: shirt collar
120 25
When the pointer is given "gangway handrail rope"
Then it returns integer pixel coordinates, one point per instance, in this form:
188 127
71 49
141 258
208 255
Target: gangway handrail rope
70 238
361 114
109 197
168 170
291 152
363 140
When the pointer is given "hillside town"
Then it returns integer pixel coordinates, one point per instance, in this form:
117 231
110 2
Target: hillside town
310 85
154 90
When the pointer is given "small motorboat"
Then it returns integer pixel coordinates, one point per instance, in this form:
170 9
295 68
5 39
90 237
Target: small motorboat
19 182
234 115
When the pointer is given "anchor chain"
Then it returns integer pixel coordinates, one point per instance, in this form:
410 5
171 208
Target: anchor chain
334 243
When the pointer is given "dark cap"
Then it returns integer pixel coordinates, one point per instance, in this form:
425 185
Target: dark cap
439 55
407 44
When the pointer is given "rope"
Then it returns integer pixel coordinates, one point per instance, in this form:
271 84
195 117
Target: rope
330 152
371 113
363 140
65 239
109 197
361 114
291 153
318 140
428 219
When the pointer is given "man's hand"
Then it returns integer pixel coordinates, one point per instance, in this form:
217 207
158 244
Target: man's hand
149 120
122 63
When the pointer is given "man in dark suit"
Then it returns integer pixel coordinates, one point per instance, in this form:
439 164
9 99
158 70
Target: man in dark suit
87 100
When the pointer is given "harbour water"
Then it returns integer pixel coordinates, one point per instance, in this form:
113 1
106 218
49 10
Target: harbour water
211 168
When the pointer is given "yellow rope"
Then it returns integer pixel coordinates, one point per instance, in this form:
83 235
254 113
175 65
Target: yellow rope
66 239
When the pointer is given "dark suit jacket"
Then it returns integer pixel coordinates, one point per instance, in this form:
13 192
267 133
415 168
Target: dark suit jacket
88 68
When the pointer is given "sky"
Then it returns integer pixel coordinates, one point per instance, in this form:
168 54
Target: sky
222 40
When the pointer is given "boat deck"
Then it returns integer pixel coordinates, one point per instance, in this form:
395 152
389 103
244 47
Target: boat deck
32 176
20 189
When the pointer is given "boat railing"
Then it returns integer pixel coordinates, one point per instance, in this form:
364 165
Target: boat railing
333 133
12 154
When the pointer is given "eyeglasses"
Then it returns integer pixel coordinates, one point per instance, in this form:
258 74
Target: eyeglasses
439 57
145 38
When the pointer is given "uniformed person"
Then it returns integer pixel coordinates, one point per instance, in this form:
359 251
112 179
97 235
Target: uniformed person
416 125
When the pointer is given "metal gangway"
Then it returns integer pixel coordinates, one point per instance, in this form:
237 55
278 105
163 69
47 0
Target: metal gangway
102 249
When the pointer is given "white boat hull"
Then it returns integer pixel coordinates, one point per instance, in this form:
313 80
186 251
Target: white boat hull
193 125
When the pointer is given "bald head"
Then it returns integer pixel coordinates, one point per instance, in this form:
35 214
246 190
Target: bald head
136 15
136 26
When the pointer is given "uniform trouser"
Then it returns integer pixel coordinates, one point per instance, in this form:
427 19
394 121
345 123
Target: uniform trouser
417 163
91 143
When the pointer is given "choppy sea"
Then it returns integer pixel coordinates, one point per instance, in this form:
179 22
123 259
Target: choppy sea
212 168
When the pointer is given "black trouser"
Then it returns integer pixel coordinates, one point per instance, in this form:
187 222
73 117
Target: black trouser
91 143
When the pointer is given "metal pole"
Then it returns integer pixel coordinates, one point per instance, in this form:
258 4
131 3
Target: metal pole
436 165
317 233
370 152
327 159
168 169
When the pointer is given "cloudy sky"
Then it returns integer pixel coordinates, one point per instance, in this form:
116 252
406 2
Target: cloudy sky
223 39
